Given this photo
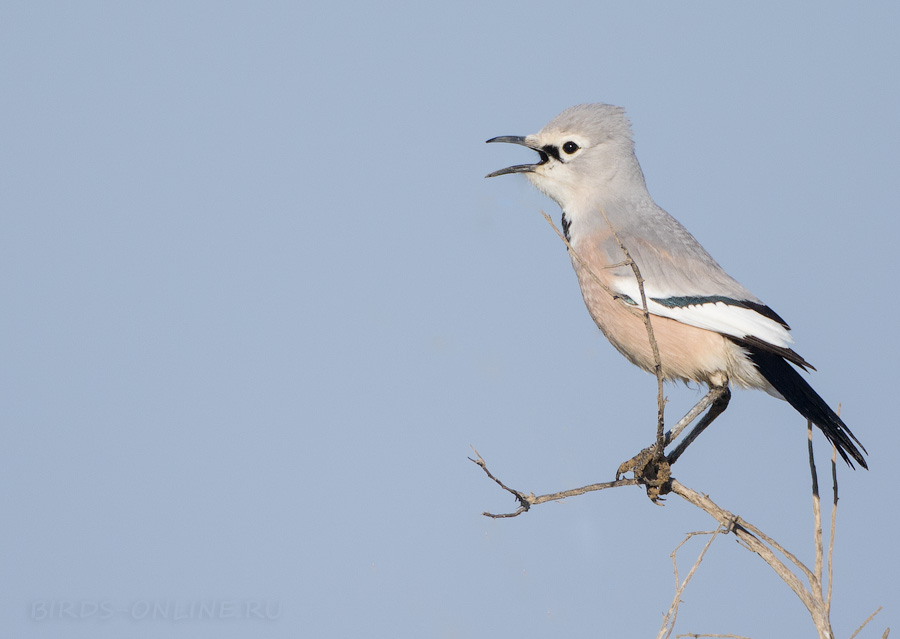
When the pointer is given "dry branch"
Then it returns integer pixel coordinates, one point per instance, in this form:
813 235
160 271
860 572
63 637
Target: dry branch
764 547
529 500
834 503
817 510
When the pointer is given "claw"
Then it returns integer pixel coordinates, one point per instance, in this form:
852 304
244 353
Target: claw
650 469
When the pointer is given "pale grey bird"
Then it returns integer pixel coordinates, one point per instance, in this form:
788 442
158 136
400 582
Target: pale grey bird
708 328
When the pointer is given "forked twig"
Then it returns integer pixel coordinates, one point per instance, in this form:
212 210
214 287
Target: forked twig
525 501
781 549
762 545
529 500
668 624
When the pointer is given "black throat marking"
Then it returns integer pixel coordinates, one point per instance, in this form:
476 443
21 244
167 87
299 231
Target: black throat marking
566 224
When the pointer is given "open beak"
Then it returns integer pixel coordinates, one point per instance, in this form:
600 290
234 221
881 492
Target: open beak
519 168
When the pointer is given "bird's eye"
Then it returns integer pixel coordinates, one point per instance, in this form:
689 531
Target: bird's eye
570 147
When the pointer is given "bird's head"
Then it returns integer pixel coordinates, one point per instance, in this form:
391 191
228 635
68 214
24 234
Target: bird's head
584 148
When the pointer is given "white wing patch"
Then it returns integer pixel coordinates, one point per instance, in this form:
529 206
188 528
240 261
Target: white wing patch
719 317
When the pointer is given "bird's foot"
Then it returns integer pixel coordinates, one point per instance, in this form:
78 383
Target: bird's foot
651 469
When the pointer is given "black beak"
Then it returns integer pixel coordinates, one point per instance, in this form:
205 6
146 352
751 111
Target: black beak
519 168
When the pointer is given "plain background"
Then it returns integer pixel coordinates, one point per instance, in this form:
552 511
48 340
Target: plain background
258 301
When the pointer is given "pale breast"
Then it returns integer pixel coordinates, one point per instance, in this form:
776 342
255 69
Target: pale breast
686 352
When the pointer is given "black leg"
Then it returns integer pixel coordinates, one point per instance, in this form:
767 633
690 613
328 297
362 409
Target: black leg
717 408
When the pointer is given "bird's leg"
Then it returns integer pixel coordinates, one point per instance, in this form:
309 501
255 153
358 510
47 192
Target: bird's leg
641 459
720 403
705 402
651 466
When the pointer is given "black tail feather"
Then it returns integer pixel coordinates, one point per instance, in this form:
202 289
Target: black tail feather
799 394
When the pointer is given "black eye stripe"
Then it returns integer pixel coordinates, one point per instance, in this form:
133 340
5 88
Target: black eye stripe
551 150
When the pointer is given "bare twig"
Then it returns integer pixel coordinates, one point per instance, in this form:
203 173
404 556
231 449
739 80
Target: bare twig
668 624
657 362
834 486
587 268
645 314
524 500
868 619
832 532
529 500
817 513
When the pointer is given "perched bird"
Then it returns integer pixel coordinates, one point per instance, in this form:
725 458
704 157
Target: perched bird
708 328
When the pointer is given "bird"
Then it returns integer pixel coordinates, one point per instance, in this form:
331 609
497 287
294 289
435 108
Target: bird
709 329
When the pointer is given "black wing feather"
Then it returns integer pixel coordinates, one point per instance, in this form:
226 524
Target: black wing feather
799 394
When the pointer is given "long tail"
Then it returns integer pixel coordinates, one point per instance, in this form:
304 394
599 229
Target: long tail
799 394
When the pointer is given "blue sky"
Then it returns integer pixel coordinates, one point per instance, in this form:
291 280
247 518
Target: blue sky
259 301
